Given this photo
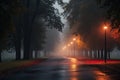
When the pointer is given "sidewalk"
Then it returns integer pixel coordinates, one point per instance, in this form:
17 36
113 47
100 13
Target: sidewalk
87 61
6 67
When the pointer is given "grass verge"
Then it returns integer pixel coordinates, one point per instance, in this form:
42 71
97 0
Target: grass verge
6 66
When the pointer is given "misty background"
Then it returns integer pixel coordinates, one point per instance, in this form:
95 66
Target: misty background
89 19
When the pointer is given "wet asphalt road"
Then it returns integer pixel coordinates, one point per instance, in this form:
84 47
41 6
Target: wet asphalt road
63 69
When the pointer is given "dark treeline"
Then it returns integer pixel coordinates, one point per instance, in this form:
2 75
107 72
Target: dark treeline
23 24
87 17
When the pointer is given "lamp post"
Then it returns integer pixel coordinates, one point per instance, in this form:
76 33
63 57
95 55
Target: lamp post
71 48
64 49
105 53
74 39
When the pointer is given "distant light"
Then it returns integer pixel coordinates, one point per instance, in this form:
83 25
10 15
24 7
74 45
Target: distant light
71 42
68 44
73 60
64 47
74 68
74 39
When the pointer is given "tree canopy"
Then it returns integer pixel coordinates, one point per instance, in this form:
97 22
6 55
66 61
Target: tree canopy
18 18
8 8
112 8
86 18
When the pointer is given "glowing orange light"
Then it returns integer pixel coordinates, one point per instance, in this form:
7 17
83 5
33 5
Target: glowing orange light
74 78
71 42
68 45
105 27
73 67
73 60
115 34
97 72
74 39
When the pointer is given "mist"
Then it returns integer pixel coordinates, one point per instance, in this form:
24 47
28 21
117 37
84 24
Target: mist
89 20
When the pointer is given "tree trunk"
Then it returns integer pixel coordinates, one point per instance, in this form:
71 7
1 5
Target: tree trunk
26 28
31 53
0 56
36 54
102 54
26 46
29 21
95 54
18 49
108 54
90 54
31 25
98 54
18 40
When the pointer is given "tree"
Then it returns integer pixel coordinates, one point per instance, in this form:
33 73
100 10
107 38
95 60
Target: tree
8 9
46 11
85 18
22 24
38 36
112 8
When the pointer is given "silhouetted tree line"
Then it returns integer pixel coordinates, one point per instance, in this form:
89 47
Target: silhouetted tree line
112 10
85 18
24 22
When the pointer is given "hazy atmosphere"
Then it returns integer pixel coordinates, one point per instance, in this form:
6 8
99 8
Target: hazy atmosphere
59 39
84 19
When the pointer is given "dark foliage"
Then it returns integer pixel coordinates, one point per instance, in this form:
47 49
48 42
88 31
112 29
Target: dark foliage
112 8
85 18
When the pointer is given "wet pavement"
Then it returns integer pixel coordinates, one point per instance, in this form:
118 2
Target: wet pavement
64 69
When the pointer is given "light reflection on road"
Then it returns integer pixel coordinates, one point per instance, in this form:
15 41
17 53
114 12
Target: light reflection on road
79 72
73 64
59 69
73 69
101 76
74 78
73 60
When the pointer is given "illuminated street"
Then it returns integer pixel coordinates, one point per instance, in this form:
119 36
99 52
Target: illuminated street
59 39
65 69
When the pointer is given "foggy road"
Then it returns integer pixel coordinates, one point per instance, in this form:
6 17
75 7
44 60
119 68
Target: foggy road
57 31
63 69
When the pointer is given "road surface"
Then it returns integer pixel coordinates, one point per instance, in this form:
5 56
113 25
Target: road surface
64 69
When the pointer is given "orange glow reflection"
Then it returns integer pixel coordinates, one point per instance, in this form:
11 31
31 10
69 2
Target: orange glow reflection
73 67
101 76
74 78
73 60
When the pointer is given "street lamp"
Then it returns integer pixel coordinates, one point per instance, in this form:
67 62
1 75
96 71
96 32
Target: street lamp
74 39
68 45
105 53
71 42
68 49
71 48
